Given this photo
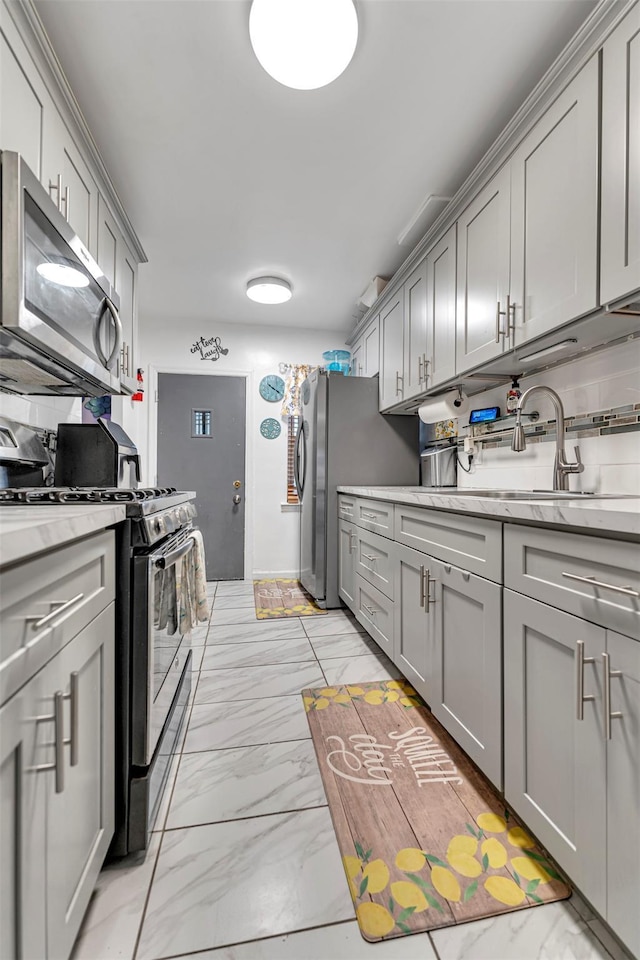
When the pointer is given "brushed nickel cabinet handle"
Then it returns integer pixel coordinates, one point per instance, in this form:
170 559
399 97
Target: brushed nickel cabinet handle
627 591
58 741
399 383
72 697
499 313
608 714
370 610
62 607
511 318
58 189
422 585
368 556
428 599
369 516
580 661
425 364
65 200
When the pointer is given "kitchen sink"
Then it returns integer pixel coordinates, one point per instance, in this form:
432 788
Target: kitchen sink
525 494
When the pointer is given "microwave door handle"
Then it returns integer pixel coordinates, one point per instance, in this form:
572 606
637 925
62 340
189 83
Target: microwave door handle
111 359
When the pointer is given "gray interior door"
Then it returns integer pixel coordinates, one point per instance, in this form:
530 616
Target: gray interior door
201 447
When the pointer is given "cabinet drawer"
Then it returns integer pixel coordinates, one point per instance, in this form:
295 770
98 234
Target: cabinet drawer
374 561
375 515
375 612
346 507
597 580
471 543
83 572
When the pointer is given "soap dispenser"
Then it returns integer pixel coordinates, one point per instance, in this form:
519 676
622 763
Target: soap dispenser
513 395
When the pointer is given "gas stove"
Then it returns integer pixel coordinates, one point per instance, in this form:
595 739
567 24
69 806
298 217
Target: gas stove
158 510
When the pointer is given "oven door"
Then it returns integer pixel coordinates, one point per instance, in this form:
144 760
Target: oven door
56 302
160 648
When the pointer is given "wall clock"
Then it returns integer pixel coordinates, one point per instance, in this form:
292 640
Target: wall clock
272 388
270 428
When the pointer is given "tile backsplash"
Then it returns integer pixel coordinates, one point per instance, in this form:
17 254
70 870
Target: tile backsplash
42 412
600 394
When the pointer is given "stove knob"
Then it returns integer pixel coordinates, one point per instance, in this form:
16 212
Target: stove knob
183 514
157 525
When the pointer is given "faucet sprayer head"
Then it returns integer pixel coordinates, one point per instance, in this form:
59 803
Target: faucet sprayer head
518 442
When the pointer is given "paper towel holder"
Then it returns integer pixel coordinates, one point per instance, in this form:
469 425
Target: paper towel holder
460 399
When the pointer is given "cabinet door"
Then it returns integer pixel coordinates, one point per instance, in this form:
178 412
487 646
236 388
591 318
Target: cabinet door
23 97
25 744
357 359
483 274
413 633
392 352
554 212
346 563
554 763
415 332
80 818
371 349
467 675
79 199
109 241
623 792
441 310
620 177
126 280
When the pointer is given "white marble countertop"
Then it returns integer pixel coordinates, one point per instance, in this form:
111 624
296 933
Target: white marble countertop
616 515
27 530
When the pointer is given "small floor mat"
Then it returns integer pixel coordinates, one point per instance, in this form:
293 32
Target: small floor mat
282 598
425 839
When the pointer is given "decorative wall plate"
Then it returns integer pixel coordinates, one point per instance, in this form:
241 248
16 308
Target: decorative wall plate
270 428
272 388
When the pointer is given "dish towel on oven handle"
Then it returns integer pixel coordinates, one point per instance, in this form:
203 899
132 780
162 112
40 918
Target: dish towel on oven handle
194 607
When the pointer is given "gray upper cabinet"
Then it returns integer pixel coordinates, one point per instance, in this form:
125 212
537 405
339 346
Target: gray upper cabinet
415 332
441 311
392 351
466 694
554 213
623 790
121 269
620 202
483 274
554 749
371 348
357 358
23 97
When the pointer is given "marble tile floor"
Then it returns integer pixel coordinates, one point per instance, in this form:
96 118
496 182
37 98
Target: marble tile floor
243 863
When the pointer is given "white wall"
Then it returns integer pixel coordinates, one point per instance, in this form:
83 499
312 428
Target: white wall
600 381
271 530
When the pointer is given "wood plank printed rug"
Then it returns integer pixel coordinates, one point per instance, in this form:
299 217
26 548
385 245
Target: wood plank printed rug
282 598
425 839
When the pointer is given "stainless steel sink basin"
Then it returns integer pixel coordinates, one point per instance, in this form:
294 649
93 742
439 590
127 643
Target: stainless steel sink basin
523 494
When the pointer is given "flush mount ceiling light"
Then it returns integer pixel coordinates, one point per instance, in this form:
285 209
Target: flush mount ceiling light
269 290
62 274
303 44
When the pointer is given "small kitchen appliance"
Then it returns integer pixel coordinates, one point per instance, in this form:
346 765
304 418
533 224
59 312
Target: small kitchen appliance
438 466
96 455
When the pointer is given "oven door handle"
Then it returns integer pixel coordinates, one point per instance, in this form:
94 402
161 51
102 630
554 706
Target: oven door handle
174 556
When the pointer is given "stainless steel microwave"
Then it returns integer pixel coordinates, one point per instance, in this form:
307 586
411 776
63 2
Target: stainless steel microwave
60 332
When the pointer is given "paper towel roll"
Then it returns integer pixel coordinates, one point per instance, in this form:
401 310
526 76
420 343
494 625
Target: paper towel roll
442 408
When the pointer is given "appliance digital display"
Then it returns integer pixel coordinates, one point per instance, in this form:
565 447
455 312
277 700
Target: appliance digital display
484 415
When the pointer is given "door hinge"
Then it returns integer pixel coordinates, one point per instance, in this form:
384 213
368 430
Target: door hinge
157 397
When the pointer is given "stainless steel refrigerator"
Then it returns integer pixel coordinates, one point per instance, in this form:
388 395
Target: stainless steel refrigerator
343 440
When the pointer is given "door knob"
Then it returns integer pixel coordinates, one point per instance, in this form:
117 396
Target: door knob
237 498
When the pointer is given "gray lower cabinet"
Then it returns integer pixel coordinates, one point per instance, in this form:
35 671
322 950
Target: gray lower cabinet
466 690
57 794
554 748
413 646
347 538
623 790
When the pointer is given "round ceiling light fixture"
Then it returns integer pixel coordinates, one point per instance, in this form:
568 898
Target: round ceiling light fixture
269 290
304 44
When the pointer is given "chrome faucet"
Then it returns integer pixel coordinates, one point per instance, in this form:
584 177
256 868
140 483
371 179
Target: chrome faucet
561 468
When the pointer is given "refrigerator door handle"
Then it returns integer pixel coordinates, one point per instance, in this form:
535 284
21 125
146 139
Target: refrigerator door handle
296 463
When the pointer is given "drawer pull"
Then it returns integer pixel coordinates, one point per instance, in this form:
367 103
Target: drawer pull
580 662
370 610
427 580
61 607
72 696
628 591
369 516
352 536
422 586
367 556
608 714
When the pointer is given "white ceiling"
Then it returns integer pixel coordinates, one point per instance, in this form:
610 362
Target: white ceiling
226 174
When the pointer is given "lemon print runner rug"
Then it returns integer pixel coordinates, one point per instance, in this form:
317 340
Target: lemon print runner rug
425 839
282 598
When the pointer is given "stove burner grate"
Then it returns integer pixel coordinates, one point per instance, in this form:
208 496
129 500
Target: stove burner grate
34 495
